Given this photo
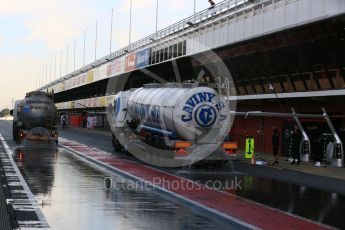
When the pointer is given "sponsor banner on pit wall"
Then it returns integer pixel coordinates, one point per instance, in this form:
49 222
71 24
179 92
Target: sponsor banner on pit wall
96 74
102 102
80 104
87 103
82 78
67 84
103 71
93 102
110 68
62 86
100 73
89 76
65 105
72 105
143 58
119 67
110 100
53 88
74 82
77 81
57 88
130 62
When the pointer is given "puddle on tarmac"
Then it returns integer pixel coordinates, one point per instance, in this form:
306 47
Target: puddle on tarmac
314 204
72 196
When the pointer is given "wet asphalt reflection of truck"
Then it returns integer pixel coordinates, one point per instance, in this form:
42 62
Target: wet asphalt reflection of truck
171 116
35 118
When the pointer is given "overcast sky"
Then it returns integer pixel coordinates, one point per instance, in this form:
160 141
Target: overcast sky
34 32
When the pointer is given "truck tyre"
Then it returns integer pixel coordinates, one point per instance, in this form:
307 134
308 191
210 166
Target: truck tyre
156 141
116 144
15 135
15 132
163 145
149 139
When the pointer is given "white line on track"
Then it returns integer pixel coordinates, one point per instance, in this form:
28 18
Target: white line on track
31 198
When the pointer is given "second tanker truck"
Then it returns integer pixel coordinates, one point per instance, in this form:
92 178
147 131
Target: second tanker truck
35 118
172 118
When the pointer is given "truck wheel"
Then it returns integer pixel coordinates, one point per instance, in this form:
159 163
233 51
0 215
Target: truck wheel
156 141
15 132
163 145
150 140
113 140
117 147
18 137
116 144
15 136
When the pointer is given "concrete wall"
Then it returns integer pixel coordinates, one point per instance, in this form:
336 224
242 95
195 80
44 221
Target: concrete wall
265 18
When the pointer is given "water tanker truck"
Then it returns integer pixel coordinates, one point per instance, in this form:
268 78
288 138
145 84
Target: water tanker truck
178 117
34 118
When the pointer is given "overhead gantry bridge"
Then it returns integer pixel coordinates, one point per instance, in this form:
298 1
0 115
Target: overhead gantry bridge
292 48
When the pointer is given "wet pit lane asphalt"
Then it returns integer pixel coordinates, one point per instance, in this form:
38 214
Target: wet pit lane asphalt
72 195
66 185
314 204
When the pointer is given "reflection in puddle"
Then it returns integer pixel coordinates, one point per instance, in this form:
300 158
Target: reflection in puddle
314 204
72 196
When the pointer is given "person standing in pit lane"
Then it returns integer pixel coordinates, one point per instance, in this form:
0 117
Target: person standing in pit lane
275 144
296 139
64 121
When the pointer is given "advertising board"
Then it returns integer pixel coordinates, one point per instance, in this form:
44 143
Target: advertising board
130 62
143 58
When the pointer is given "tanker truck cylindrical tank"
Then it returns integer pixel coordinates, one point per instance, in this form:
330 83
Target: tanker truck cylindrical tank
180 110
37 110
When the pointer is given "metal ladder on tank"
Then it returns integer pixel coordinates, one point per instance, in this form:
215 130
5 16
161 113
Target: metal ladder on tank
49 121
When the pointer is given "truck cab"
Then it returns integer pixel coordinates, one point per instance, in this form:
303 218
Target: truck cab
34 118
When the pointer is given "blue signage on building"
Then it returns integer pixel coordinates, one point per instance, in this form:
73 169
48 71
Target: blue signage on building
143 58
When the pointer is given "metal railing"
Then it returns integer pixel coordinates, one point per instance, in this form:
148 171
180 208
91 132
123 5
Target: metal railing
152 39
